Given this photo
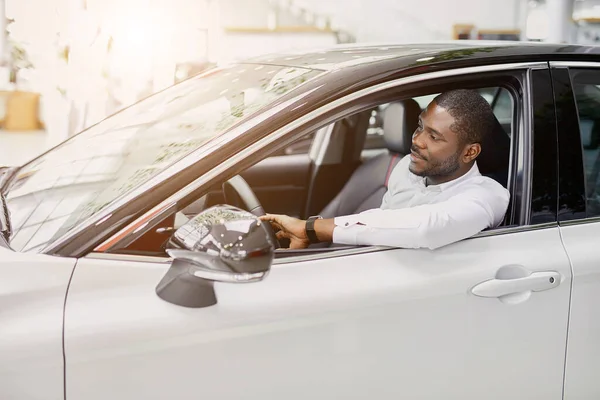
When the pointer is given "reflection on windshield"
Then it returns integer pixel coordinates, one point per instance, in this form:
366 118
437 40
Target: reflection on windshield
54 193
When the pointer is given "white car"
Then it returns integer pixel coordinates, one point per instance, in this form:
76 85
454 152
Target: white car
129 269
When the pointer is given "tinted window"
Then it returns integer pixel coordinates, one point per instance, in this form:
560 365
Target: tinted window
587 96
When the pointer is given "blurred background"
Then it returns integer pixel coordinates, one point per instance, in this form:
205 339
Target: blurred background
67 64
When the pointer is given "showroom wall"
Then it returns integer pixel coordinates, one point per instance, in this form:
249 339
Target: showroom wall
419 21
389 20
93 57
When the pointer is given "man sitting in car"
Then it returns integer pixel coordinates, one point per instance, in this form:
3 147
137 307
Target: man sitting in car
436 195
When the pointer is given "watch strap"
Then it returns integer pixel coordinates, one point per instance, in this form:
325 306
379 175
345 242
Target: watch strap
310 229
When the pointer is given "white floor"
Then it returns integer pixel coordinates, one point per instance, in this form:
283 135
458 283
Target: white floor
16 148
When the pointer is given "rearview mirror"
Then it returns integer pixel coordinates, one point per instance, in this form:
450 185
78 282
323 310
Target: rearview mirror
223 244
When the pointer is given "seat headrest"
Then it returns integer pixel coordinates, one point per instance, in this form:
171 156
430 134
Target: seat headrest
495 153
400 121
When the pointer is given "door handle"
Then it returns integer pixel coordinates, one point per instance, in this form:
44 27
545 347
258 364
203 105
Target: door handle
536 282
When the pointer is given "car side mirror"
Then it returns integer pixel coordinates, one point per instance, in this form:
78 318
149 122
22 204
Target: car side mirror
223 244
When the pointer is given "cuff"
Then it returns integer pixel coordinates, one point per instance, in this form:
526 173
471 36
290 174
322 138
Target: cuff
346 235
345 221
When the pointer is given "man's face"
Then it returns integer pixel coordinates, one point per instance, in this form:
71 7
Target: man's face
436 150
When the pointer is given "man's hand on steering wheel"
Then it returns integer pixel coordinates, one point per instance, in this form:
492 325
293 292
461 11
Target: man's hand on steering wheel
290 228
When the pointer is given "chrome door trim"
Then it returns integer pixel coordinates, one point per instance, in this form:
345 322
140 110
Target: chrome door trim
575 64
581 221
514 229
233 134
276 261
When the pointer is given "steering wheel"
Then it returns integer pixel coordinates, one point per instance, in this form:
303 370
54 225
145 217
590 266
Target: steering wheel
236 190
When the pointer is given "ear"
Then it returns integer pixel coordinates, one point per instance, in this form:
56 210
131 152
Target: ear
471 152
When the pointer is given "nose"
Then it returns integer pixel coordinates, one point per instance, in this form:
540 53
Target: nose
416 140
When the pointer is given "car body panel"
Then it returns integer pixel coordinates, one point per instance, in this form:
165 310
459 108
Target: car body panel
400 322
33 288
579 228
583 353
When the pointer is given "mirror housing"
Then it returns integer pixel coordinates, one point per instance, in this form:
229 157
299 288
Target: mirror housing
222 244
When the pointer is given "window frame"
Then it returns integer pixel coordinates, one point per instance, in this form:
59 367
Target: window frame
520 175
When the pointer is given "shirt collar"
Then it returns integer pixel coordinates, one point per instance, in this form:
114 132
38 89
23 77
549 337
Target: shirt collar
474 171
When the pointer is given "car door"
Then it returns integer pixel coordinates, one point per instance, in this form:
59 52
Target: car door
32 296
482 318
578 102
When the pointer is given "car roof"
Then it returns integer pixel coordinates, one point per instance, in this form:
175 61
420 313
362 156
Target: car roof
352 55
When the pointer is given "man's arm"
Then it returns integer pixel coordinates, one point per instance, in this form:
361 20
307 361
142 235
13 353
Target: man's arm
295 229
430 225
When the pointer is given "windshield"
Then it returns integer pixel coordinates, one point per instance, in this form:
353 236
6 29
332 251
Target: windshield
83 175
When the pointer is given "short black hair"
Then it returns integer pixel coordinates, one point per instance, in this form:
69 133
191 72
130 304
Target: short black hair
472 114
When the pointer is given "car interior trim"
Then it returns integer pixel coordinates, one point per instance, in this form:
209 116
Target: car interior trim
321 134
321 157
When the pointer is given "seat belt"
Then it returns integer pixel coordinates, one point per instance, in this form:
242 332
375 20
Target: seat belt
393 162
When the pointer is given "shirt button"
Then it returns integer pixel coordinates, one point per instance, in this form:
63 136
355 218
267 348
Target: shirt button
347 223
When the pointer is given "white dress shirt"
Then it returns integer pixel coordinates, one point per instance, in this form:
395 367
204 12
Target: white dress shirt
414 215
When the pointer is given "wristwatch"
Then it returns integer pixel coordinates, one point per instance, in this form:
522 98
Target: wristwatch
310 228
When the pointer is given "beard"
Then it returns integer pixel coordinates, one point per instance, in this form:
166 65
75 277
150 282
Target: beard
439 168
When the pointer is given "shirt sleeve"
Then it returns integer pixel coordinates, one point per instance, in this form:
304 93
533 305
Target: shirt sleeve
430 225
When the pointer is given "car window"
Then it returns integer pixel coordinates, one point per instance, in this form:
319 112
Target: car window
503 106
498 170
300 146
425 100
587 97
77 179
374 138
